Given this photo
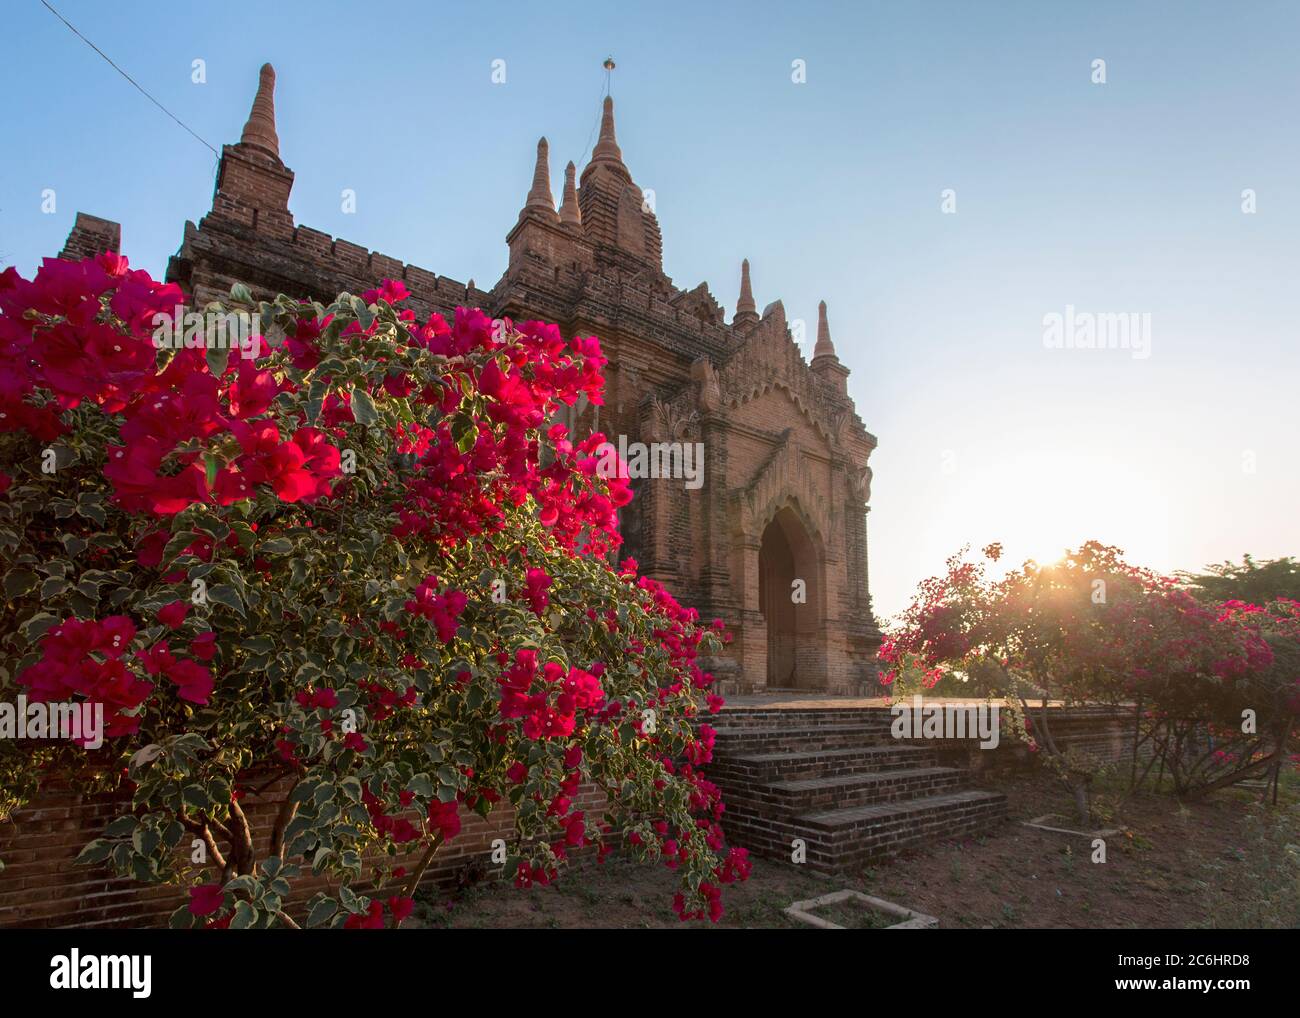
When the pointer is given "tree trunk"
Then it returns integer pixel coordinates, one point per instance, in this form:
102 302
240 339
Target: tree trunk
1080 789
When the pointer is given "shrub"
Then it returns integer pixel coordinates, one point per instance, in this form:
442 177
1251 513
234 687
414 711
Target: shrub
357 560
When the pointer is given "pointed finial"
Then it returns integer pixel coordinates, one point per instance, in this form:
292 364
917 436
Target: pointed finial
539 197
824 347
745 305
260 129
570 213
607 145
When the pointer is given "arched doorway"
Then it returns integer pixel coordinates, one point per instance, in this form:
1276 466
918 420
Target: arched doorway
788 596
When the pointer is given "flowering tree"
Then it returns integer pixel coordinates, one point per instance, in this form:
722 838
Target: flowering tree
1089 628
356 562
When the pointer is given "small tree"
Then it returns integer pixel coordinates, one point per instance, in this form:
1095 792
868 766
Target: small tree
1253 582
353 559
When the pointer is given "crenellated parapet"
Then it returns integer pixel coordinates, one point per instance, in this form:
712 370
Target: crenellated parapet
302 263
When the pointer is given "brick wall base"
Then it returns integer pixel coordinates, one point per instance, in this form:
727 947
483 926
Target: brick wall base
42 886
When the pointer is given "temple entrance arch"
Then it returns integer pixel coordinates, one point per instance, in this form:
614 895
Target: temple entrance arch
791 595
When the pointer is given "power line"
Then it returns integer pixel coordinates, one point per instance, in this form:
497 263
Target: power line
608 65
127 76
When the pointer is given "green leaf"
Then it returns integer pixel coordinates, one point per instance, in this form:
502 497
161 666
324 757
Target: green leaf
224 593
363 407
365 317
177 543
322 912
316 399
463 431
277 546
351 785
34 628
145 840
241 294
448 775
97 851
53 587
218 357
121 827
246 883
19 581
244 917
90 505
421 785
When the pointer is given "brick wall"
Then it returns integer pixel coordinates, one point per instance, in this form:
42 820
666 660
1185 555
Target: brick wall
41 886
91 236
1104 733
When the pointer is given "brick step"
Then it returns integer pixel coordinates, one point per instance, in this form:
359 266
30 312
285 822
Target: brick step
854 841
742 741
844 838
811 795
766 768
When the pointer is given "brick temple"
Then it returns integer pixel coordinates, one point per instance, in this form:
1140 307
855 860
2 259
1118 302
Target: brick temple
774 540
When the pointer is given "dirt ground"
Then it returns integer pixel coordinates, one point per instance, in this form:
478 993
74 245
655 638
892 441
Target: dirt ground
1225 862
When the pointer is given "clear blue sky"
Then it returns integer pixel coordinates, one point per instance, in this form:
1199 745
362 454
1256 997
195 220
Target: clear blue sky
1122 197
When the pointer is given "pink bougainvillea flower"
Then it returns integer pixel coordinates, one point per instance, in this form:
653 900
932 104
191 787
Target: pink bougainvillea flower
206 899
173 615
401 908
445 816
204 646
537 583
371 919
193 681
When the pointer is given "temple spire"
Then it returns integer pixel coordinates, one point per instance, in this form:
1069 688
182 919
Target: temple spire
539 197
259 131
607 149
570 214
746 310
824 347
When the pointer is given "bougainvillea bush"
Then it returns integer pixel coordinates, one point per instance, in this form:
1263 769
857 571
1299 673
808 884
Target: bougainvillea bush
1239 719
362 563
1093 629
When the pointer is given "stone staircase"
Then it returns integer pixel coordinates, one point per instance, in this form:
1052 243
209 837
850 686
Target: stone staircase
836 778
